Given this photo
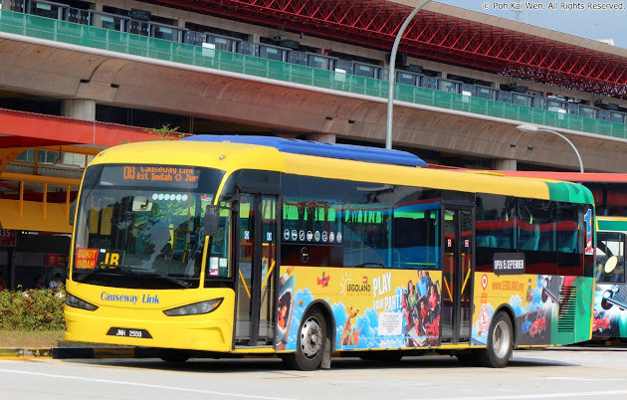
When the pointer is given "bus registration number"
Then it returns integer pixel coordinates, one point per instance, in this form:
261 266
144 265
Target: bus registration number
128 332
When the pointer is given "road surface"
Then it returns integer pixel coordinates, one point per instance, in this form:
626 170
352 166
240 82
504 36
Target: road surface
558 374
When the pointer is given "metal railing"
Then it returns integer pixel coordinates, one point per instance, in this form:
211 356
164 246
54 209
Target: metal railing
213 58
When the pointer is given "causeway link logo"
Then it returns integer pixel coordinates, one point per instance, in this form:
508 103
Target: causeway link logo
131 299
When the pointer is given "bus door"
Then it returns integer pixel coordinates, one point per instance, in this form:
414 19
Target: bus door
256 248
457 277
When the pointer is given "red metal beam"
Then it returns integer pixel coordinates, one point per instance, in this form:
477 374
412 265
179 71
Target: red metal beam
22 129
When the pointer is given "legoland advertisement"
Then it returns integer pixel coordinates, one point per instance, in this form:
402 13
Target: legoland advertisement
540 304
373 308
610 311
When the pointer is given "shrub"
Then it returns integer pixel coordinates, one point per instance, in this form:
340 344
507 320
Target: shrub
31 310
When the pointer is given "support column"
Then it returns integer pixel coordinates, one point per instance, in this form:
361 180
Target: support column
82 109
506 165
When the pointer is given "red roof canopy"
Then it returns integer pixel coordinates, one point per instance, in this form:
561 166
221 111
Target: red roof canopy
22 129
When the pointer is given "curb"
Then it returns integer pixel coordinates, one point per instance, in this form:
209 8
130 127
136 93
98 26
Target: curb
26 353
62 353
95 352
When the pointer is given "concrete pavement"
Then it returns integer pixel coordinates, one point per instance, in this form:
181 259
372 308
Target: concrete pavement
562 374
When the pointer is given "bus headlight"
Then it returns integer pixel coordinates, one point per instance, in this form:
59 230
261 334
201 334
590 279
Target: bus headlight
204 307
75 302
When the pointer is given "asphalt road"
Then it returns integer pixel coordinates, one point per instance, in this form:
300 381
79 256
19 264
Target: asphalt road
560 374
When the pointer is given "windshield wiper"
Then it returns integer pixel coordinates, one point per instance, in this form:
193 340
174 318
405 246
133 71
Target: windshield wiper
96 271
132 274
167 278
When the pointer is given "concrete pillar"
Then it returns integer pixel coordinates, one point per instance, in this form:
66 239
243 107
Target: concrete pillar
506 165
80 109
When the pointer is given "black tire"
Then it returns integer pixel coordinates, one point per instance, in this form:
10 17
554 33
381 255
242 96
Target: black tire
312 335
174 356
545 296
389 356
500 341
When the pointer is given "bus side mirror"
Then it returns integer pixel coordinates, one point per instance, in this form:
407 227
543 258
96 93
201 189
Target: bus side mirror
211 220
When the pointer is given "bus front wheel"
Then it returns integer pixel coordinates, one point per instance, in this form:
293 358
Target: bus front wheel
312 339
500 341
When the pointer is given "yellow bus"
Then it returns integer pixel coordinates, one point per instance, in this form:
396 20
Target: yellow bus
228 245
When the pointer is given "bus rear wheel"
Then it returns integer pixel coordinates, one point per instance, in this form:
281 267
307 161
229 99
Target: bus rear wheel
500 341
312 339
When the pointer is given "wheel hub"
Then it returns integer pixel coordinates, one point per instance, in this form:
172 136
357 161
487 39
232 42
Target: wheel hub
310 338
501 339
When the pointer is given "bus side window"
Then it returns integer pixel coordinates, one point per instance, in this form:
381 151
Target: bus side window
337 223
494 228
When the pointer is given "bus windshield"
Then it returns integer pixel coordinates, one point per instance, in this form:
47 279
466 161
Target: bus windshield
142 226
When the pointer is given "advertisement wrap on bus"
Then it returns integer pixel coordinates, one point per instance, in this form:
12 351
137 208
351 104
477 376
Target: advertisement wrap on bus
372 309
610 295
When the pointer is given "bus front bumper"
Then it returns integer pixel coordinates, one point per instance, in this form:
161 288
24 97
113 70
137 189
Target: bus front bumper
203 333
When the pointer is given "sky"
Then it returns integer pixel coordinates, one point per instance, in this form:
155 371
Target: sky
599 24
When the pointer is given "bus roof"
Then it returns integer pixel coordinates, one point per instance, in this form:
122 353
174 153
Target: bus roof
231 157
312 148
611 224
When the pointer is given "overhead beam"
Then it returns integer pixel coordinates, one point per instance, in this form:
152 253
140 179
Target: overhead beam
22 129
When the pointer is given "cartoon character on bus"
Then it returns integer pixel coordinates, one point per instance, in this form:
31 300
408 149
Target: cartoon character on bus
421 311
350 335
285 304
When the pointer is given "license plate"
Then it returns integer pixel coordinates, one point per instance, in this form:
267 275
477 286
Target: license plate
129 332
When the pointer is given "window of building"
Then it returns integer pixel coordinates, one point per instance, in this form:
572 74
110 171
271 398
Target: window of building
429 82
320 62
407 78
484 92
27 156
46 156
521 99
505 96
271 52
588 112
369 71
449 86
556 106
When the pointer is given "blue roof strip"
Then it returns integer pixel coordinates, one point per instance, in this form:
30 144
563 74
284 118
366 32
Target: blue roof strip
311 148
